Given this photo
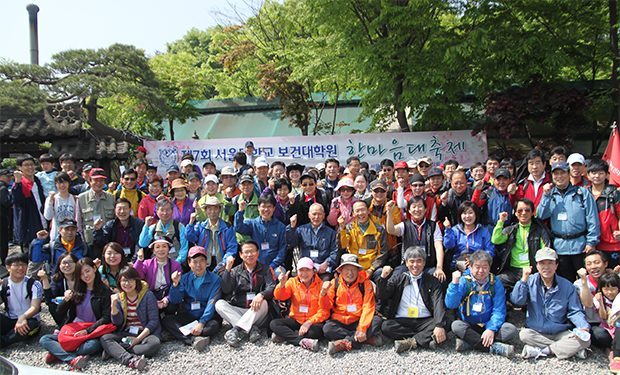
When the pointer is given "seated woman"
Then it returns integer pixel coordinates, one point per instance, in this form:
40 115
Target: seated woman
87 301
467 237
113 261
157 272
63 280
134 312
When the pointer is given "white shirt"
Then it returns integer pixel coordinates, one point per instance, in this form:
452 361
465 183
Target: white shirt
16 296
536 183
412 298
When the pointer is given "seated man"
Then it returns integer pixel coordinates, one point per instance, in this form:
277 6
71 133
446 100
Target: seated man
416 313
304 325
196 291
247 289
21 296
553 307
42 251
124 229
270 233
481 300
350 298
316 241
217 237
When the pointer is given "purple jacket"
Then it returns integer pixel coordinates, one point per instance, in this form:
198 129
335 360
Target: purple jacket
188 208
148 270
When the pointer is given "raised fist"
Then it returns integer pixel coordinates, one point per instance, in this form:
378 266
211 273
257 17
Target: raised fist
456 276
42 234
294 221
385 272
503 216
242 205
149 220
175 278
547 187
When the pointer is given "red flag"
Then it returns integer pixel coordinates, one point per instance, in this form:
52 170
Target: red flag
612 156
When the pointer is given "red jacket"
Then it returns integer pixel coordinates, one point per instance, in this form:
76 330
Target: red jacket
526 190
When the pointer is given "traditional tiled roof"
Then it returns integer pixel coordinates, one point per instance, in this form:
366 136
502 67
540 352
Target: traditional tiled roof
93 148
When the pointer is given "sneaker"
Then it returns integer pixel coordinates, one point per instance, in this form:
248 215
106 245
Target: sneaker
104 355
233 337
376 340
50 358
309 344
462 345
582 354
499 348
531 352
339 346
79 362
137 363
254 334
614 363
276 339
404 345
201 343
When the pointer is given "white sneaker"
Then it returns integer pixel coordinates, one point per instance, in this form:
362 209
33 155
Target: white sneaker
582 354
531 352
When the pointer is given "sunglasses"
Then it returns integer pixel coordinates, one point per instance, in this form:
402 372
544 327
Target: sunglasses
129 178
417 185
521 210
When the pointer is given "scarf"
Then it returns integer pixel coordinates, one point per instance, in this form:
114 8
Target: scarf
27 187
160 231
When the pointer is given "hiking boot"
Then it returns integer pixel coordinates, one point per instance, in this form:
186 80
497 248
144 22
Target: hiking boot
233 337
201 343
79 362
339 346
137 363
531 352
104 355
276 339
50 358
462 345
376 340
254 334
499 348
309 344
582 354
404 345
614 363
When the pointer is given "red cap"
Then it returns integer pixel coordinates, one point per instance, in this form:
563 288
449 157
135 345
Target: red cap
401 165
141 149
197 250
97 173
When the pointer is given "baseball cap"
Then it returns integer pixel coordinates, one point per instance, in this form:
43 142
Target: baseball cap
412 164
211 178
87 167
141 149
560 165
96 173
502 172
435 171
320 166
249 144
228 171
211 201
245 178
425 159
416 178
67 223
161 239
349 259
305 262
546 253
192 176
378 184
186 162
401 165
308 175
345 182
173 168
260 162
197 250
576 158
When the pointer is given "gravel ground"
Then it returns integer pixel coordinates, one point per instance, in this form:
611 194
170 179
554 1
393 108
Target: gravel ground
264 356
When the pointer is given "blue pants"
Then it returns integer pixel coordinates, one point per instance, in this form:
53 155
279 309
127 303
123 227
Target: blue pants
51 344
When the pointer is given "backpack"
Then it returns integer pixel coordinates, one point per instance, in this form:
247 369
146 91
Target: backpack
473 291
4 288
337 284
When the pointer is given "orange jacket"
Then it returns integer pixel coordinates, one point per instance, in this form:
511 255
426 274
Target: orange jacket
351 295
302 296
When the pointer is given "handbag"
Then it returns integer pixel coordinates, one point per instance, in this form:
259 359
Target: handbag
71 343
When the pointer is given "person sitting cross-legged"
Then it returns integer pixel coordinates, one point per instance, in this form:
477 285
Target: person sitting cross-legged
481 303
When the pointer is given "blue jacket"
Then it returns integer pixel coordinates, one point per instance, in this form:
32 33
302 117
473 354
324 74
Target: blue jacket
200 234
324 241
146 236
209 292
456 239
559 311
493 299
272 233
570 214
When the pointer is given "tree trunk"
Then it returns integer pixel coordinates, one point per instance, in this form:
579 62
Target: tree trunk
335 109
101 129
401 116
171 127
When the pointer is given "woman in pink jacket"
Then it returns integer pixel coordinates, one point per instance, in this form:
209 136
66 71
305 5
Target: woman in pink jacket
343 204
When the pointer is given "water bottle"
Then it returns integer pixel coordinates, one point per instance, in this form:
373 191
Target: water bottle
582 335
58 300
126 340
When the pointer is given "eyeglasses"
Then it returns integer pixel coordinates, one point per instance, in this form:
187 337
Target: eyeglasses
67 263
423 165
310 184
522 210
129 178
346 189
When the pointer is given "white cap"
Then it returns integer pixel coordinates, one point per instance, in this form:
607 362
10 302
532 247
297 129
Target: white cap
211 178
576 158
186 162
260 162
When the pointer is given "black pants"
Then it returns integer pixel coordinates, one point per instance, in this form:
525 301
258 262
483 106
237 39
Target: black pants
600 337
288 329
421 329
335 330
172 323
569 264
8 335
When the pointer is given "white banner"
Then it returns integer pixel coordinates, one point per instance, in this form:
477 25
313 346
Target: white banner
441 146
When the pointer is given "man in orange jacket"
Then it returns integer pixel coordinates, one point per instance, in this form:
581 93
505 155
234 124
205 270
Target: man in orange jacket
351 298
304 325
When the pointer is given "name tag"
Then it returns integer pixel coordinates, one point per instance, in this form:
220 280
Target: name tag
126 250
362 251
250 296
264 246
195 305
314 253
351 308
303 309
477 307
524 257
413 312
563 216
133 330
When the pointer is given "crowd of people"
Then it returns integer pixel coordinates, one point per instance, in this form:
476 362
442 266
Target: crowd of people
334 252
